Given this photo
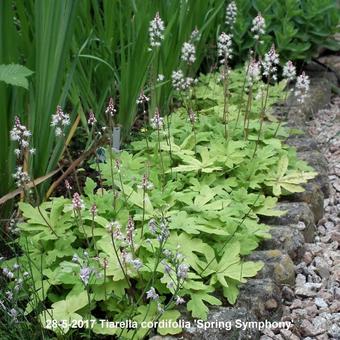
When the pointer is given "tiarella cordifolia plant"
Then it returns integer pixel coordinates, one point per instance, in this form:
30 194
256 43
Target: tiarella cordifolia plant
136 245
188 53
258 28
224 52
180 82
91 119
21 135
59 121
230 17
269 64
166 241
289 71
156 31
254 72
224 49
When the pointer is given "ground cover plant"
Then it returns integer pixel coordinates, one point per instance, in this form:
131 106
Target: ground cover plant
169 225
166 224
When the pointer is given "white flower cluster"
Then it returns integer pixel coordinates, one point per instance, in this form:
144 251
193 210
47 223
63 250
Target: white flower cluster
289 71
259 26
195 35
182 271
114 229
179 82
188 53
157 121
151 294
302 87
8 273
60 120
254 72
271 60
156 31
160 78
161 230
85 274
21 134
142 99
21 177
231 13
224 49
128 259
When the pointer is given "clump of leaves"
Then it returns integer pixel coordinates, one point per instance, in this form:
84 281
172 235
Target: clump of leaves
182 211
297 28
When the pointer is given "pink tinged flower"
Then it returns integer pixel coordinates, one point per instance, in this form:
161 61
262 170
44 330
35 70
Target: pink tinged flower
105 263
157 121
259 26
130 229
289 71
151 294
93 210
118 164
146 184
156 31
110 109
224 49
254 72
77 202
91 119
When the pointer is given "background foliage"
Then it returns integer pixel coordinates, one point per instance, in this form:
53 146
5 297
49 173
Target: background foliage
81 55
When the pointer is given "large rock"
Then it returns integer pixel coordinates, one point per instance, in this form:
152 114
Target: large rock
278 266
288 239
262 297
302 142
313 196
317 161
297 214
332 61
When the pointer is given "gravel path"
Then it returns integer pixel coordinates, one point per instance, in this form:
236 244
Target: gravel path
314 303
